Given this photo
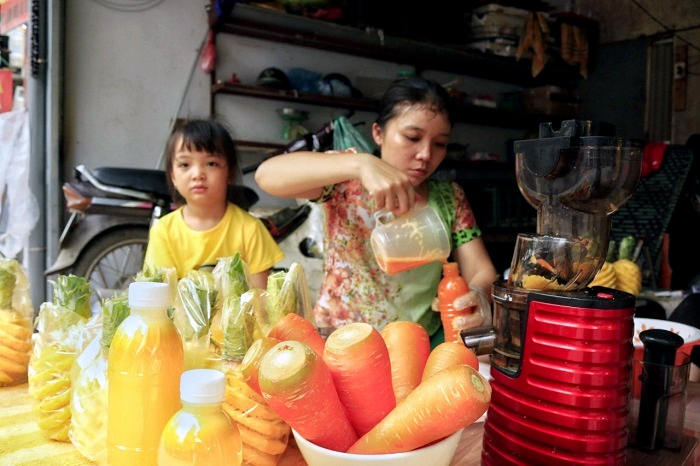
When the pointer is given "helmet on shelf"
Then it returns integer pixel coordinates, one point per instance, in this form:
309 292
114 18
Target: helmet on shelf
274 78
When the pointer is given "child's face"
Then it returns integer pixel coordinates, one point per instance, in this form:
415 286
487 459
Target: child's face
415 141
200 177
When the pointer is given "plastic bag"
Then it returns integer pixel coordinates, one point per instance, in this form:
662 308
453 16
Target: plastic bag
19 209
198 297
208 59
345 136
244 319
63 332
232 279
16 313
88 404
289 292
263 433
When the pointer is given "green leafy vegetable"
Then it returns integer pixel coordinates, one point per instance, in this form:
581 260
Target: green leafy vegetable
232 276
198 296
114 311
238 328
289 293
73 293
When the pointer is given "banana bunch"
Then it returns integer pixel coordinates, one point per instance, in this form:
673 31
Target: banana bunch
263 433
622 274
15 348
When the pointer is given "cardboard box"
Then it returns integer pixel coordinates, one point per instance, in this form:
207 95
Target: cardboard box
495 20
551 100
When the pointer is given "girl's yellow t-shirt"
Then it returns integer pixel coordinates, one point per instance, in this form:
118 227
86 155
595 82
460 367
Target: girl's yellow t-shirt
173 244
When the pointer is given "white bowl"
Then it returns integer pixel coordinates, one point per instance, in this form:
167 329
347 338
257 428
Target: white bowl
437 454
688 333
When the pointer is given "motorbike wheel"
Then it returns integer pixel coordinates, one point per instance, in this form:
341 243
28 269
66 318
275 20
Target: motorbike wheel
110 262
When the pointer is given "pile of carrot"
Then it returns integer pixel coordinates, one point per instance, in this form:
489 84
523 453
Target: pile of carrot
367 392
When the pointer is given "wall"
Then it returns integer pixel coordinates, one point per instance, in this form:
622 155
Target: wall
627 20
124 77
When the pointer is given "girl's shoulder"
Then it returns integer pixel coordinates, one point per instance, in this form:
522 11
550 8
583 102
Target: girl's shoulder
168 220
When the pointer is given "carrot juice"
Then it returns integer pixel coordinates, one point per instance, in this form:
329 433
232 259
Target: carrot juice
145 363
394 266
451 287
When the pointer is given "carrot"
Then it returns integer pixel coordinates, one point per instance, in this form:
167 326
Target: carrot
251 361
359 363
409 346
298 385
295 327
449 354
446 402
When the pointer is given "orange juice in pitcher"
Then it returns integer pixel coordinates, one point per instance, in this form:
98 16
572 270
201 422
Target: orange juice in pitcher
145 363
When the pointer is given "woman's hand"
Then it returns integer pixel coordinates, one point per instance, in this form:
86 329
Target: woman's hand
474 298
388 186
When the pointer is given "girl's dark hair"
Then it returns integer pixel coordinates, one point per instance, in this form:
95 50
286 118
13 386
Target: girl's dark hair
201 135
411 91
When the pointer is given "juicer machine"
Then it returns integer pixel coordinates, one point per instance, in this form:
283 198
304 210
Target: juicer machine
561 358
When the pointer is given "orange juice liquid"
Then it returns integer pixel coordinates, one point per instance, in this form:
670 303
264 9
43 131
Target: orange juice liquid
200 435
145 364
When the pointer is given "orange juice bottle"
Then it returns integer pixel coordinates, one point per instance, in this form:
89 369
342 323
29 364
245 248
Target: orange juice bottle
201 433
451 287
144 367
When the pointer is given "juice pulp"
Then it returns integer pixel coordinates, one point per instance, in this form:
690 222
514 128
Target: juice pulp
394 266
145 363
200 435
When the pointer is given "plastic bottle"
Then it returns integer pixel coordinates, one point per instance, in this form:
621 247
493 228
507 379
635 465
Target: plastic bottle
201 433
144 367
451 287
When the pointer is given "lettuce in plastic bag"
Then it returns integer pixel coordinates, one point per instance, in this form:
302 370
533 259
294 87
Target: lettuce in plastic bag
244 319
289 293
197 298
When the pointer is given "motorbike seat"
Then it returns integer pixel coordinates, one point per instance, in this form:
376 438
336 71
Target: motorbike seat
142 179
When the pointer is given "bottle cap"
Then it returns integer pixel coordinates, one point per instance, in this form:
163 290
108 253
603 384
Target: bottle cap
149 294
203 386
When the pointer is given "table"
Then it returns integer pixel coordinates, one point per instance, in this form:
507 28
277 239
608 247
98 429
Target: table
22 443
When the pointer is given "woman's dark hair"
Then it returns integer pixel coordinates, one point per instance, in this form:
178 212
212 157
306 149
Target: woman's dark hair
411 91
201 135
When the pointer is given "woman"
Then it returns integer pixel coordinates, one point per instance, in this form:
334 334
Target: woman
412 130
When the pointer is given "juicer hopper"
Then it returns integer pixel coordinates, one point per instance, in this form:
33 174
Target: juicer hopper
575 179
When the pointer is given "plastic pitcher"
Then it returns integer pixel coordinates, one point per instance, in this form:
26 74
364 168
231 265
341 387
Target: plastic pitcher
411 240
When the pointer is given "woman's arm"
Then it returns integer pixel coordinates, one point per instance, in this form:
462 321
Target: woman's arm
475 265
259 280
305 174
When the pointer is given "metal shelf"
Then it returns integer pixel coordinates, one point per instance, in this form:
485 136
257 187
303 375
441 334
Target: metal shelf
272 25
472 114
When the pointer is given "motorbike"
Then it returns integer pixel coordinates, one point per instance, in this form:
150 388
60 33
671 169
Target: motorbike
112 209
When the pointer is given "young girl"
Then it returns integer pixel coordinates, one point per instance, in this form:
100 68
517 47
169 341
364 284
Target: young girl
200 166
412 130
